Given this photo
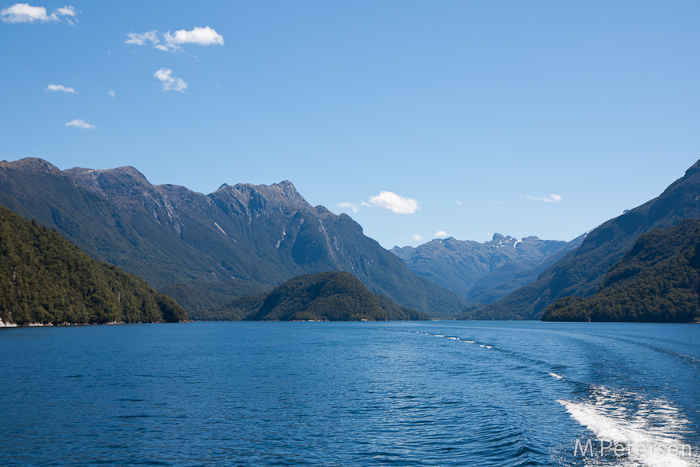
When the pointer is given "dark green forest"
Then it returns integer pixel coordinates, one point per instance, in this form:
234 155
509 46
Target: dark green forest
326 296
658 280
45 279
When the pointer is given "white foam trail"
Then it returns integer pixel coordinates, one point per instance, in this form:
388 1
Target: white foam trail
554 375
649 434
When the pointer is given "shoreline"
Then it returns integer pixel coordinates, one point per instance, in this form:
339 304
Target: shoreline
3 324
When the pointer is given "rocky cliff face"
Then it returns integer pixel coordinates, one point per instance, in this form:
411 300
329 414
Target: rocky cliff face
206 249
482 272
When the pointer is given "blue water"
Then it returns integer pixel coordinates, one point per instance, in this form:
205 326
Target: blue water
431 393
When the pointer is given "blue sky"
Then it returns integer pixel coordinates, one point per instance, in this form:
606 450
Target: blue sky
524 118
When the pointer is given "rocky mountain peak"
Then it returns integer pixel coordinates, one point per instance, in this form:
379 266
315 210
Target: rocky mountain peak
128 171
30 165
282 194
120 180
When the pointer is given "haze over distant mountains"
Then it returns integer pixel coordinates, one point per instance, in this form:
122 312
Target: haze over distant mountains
484 272
205 250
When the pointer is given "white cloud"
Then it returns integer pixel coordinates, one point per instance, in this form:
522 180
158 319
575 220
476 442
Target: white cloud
78 123
553 198
347 205
416 237
59 88
167 47
171 42
66 11
170 82
395 203
25 13
354 207
142 39
440 234
496 202
199 36
218 87
459 203
111 93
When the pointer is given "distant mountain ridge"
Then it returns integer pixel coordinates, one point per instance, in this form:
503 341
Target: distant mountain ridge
579 273
205 250
484 272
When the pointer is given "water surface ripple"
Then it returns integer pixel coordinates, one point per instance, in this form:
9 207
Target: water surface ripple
346 394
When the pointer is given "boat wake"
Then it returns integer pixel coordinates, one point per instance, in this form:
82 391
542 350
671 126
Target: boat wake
631 431
625 428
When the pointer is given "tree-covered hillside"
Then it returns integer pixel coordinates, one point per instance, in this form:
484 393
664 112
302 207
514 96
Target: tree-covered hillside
326 296
46 279
658 280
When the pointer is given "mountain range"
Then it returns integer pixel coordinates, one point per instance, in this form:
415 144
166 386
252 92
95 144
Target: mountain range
484 272
220 254
207 250
579 273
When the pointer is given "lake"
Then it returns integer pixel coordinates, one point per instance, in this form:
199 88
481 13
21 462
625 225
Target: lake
441 393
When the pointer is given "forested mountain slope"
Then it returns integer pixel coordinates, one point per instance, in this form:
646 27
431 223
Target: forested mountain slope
658 280
45 279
